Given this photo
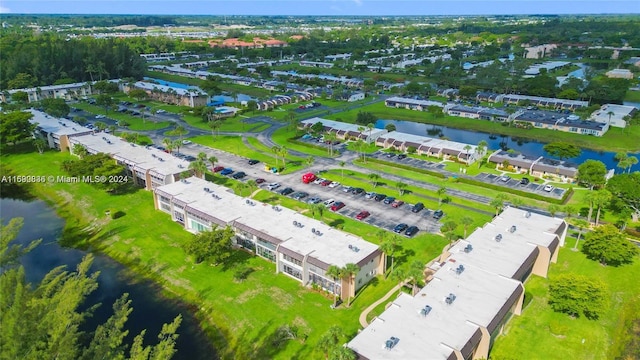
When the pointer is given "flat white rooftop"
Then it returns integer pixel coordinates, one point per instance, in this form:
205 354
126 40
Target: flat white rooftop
342 126
164 88
479 298
414 101
428 141
331 247
619 112
54 125
142 157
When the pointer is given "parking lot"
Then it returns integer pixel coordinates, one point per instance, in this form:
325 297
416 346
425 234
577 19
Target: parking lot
382 215
417 163
515 184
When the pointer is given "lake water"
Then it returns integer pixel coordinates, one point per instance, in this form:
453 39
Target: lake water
524 146
150 309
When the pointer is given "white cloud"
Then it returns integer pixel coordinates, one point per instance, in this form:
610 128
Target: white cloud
4 10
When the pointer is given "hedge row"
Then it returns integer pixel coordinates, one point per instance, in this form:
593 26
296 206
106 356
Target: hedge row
562 201
407 167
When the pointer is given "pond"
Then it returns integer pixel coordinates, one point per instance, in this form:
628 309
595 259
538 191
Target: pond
150 308
522 145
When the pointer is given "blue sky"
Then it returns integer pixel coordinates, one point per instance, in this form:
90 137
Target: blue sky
320 7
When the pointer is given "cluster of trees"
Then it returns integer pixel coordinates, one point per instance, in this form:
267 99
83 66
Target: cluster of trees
96 165
15 127
212 246
578 295
44 320
46 59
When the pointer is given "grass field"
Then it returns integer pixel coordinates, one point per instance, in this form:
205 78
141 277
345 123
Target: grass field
239 317
540 333
613 140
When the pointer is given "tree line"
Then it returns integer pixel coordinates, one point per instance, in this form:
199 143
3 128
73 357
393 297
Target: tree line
38 60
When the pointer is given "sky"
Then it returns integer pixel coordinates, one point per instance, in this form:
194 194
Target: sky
320 7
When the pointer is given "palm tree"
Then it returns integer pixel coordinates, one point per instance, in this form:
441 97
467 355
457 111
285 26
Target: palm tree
202 156
331 138
591 198
317 209
215 127
374 179
448 229
335 273
180 131
602 198
100 126
480 150
213 160
342 164
442 190
242 186
370 127
177 144
581 224
415 273
466 149
252 185
401 187
80 150
390 247
466 221
342 353
276 150
631 160
497 203
610 113
41 144
283 152
516 202
330 339
399 275
360 146
349 271
569 210
199 167
168 144
309 161
553 209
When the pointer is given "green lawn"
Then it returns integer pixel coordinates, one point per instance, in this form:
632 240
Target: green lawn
239 317
540 333
282 135
613 140
234 145
633 96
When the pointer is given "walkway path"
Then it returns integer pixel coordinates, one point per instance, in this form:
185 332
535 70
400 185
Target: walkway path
365 312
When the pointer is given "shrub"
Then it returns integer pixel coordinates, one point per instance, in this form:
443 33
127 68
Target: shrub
578 295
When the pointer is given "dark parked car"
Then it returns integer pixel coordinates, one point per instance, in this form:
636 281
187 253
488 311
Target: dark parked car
190 158
389 199
239 175
400 228
379 197
524 181
337 206
286 191
260 180
300 195
402 156
326 183
357 191
253 161
417 207
226 171
438 214
411 230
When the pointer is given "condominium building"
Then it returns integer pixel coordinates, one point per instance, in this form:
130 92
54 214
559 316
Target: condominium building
148 167
472 291
424 145
65 91
301 247
56 131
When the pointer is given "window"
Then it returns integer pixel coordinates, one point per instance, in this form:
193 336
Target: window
293 272
197 226
291 260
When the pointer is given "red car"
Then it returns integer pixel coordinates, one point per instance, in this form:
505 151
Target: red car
397 203
337 206
260 181
362 215
325 183
218 168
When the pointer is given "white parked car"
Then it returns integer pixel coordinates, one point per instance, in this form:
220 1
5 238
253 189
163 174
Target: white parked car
160 111
186 142
329 202
548 188
100 116
318 180
273 186
334 184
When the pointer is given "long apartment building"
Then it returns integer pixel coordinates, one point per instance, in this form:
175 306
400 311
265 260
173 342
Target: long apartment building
302 248
56 131
65 91
472 291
